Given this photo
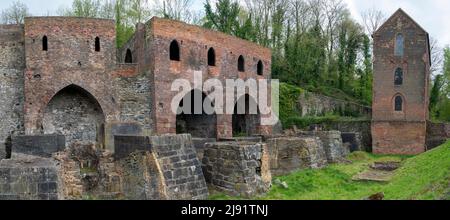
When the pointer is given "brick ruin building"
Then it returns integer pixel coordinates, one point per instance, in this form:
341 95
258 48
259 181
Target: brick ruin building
83 119
61 75
96 120
400 87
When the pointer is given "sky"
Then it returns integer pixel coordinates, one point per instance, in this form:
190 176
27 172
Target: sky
433 15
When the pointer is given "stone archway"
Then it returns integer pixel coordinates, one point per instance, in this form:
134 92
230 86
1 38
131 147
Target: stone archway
75 113
200 125
247 117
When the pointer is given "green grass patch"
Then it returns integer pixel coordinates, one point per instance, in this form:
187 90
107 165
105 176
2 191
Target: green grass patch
424 177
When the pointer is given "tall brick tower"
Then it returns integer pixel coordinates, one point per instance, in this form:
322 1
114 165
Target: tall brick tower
400 86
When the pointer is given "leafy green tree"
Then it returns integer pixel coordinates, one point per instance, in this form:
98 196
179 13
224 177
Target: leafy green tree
224 18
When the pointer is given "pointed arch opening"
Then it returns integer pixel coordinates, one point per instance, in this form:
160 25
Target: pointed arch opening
260 68
192 117
76 114
399 45
246 119
174 51
211 57
241 64
128 56
97 44
45 43
398 77
398 103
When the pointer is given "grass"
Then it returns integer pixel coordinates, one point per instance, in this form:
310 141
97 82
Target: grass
423 177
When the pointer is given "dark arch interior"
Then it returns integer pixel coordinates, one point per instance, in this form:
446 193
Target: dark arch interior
241 64
97 44
128 57
398 78
398 103
44 43
211 57
75 113
246 117
194 120
174 51
260 68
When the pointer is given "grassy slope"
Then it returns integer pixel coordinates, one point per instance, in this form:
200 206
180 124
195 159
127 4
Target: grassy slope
426 176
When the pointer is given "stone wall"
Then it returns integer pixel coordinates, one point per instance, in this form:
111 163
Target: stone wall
437 134
334 148
29 178
12 65
76 115
358 126
312 104
289 154
237 168
39 145
134 92
179 165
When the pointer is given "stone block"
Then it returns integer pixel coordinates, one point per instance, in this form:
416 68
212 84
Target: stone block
289 154
125 145
237 168
38 145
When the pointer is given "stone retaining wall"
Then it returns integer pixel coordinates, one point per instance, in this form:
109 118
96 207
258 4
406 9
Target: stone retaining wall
289 154
237 168
178 162
29 178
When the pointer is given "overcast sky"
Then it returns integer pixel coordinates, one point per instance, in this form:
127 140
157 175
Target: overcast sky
433 15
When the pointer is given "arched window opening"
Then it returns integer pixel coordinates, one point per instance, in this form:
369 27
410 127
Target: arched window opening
97 44
260 68
128 57
241 64
45 43
399 45
211 57
398 104
398 78
174 51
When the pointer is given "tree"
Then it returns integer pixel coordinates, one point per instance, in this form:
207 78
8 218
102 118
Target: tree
85 8
373 19
15 14
175 9
224 18
437 56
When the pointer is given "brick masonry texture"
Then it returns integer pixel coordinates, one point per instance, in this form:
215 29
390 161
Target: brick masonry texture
29 179
12 64
96 90
38 145
289 154
180 167
437 134
335 150
312 104
404 131
237 168
150 49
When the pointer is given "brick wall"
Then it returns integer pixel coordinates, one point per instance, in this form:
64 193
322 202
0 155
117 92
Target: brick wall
414 90
71 59
194 44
